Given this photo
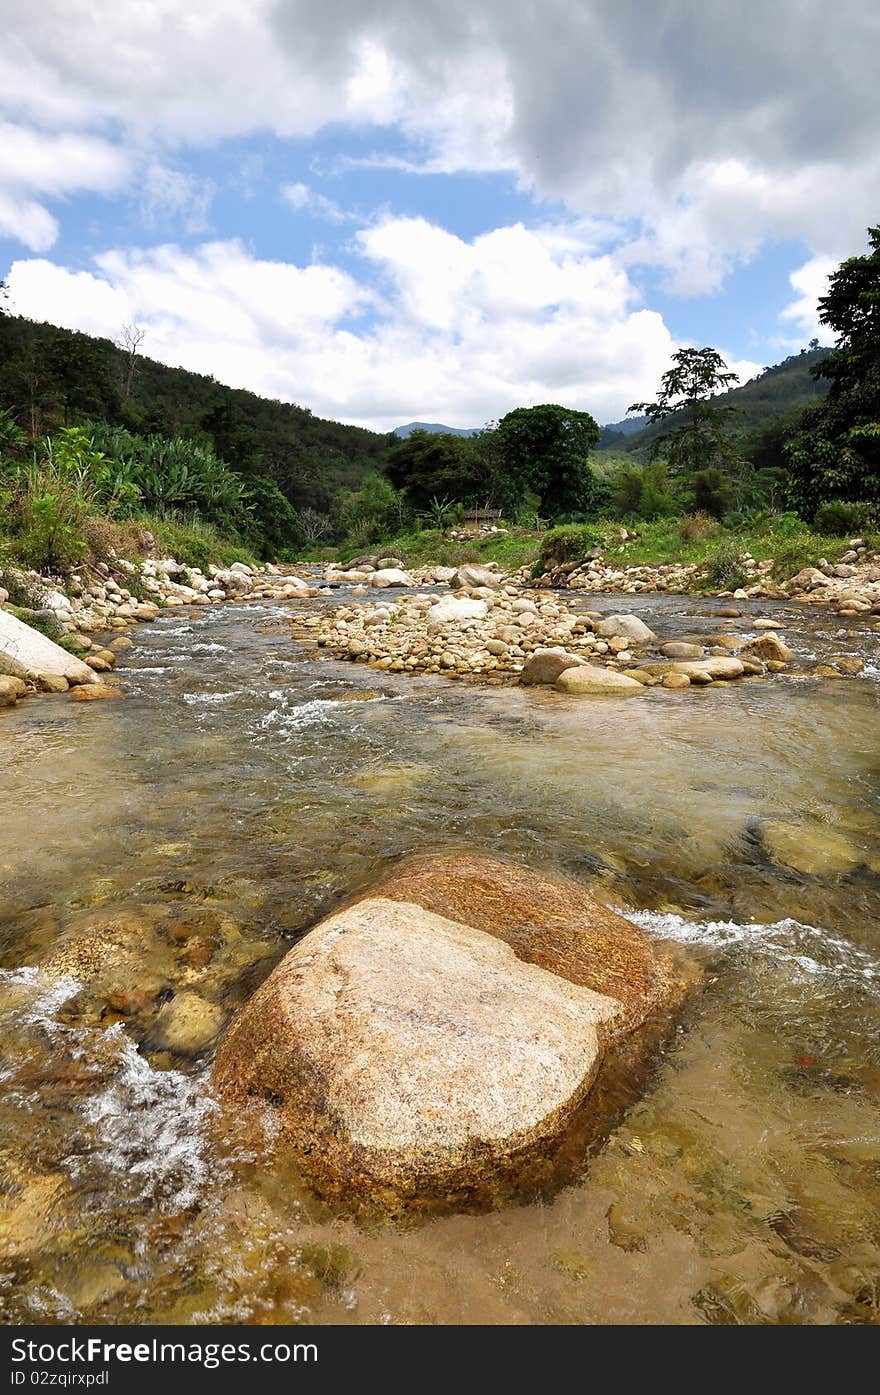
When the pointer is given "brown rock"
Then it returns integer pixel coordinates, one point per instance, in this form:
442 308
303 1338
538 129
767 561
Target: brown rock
676 680
590 680
94 692
545 666
681 649
769 646
445 1030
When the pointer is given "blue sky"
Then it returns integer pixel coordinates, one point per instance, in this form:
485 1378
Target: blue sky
387 212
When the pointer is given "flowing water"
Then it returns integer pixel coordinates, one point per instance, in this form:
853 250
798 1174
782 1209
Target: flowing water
244 788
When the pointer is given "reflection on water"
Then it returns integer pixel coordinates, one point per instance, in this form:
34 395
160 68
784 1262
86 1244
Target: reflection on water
243 788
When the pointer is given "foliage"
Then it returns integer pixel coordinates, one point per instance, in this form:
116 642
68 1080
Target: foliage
52 377
432 465
569 543
698 438
546 449
643 493
725 570
836 453
841 519
372 512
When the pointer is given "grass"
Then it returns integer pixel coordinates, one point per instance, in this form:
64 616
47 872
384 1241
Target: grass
428 545
101 539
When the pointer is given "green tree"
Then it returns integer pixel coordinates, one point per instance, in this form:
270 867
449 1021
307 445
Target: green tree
371 513
432 465
836 452
698 437
546 449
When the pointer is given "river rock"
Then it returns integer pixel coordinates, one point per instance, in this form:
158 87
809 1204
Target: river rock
713 667
767 647
187 1024
630 626
391 576
681 649
545 666
590 680
25 652
675 680
111 953
8 692
470 576
442 1029
452 609
95 692
810 849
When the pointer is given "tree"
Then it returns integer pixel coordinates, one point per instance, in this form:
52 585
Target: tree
836 453
433 465
129 342
698 439
546 449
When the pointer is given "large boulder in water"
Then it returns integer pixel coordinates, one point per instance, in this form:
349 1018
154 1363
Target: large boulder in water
443 1031
25 652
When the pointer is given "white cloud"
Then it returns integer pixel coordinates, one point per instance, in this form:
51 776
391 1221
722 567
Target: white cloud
462 331
811 282
33 162
27 221
305 199
171 193
712 129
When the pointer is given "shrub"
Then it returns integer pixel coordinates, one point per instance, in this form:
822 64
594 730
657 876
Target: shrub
725 572
697 526
569 543
840 519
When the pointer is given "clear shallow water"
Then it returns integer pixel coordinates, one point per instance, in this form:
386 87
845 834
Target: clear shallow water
242 789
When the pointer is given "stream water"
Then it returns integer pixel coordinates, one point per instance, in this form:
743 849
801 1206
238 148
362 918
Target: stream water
243 788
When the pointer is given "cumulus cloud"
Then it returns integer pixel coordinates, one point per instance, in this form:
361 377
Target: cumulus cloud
810 281
33 162
460 331
711 128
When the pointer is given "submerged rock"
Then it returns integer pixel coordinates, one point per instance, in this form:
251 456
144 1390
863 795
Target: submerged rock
769 646
95 692
432 1035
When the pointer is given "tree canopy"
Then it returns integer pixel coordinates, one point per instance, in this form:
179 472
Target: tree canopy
697 438
546 449
836 453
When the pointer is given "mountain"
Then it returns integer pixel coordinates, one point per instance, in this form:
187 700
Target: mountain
785 388
435 429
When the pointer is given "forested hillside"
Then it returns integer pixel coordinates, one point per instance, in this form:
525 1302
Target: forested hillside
51 376
779 391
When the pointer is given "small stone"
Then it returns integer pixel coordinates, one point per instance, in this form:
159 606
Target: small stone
675 680
94 692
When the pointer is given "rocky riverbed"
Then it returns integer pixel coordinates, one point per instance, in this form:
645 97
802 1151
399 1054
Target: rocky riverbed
175 849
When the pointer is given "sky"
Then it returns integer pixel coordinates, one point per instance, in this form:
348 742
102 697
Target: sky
388 211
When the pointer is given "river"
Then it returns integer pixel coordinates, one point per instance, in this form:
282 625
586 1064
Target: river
243 788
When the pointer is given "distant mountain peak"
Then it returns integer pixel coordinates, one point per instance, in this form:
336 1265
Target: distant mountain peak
434 428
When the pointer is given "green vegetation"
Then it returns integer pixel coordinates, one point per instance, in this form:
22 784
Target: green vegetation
100 447
701 540
835 455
